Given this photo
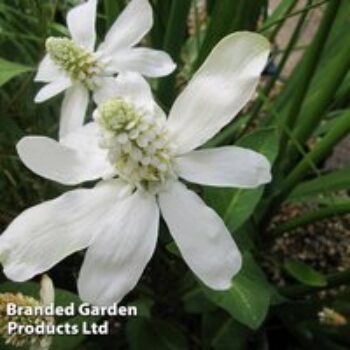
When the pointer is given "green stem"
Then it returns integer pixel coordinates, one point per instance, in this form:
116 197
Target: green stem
339 130
309 66
282 19
268 88
334 280
333 210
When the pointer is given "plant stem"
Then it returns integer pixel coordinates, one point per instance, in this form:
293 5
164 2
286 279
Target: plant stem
332 210
292 15
268 88
339 130
334 280
173 40
309 66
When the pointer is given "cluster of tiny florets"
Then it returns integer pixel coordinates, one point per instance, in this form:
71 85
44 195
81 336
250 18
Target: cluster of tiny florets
330 317
137 143
21 301
80 64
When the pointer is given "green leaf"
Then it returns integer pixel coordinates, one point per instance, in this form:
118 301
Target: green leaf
68 342
195 301
305 274
224 333
146 334
229 16
112 9
9 70
173 42
237 205
319 152
335 181
248 300
334 207
144 306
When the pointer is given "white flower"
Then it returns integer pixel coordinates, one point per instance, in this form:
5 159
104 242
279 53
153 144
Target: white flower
74 66
131 139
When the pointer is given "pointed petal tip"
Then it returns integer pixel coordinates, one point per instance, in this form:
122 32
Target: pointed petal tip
39 98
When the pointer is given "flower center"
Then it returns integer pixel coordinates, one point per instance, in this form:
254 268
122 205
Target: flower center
18 339
137 142
79 63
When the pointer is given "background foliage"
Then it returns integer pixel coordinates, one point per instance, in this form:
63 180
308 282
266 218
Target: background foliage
294 233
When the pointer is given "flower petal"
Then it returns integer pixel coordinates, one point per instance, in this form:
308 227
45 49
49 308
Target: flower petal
48 71
129 28
219 90
73 109
77 158
115 261
45 234
148 62
202 237
226 167
81 24
130 86
52 89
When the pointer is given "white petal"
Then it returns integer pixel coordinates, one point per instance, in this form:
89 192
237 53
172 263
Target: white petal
202 237
218 91
81 23
129 28
148 62
77 158
73 109
226 167
130 86
48 71
117 258
45 234
52 89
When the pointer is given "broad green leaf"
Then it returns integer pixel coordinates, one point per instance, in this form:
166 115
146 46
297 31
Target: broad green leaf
9 70
237 205
248 300
144 306
224 333
305 274
195 301
334 181
146 334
